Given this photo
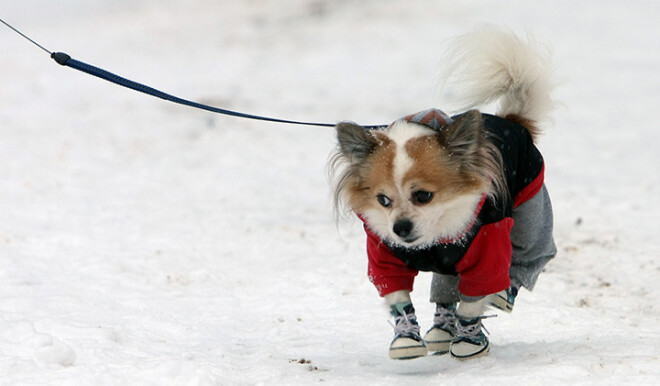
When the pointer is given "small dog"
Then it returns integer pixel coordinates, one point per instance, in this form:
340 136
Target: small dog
462 196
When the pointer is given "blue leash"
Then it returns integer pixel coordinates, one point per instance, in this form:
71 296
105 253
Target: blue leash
67 61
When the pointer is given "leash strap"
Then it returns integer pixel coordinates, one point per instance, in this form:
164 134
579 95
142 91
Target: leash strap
66 60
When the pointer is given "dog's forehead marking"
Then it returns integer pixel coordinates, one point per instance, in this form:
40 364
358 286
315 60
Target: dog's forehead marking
401 132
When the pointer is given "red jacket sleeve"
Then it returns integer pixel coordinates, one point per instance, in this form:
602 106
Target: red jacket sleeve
484 269
386 272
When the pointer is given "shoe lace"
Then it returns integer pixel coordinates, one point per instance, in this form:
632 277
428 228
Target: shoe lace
405 325
444 319
472 329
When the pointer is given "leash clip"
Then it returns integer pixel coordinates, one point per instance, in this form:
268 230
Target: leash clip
60 57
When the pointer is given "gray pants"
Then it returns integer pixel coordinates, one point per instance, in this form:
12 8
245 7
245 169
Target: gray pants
533 247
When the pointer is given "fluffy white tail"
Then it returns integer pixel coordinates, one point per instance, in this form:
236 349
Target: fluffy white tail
494 65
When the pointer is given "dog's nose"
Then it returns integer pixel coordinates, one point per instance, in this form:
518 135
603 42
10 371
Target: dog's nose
402 228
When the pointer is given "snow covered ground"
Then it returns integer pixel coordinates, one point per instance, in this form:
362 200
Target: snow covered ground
147 243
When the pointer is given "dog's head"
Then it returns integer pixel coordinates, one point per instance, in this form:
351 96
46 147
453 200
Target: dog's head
417 181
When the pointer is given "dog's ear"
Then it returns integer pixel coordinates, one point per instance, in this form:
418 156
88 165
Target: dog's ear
355 142
463 137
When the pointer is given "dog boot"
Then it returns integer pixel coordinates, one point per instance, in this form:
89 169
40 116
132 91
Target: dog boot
504 300
470 340
443 331
407 342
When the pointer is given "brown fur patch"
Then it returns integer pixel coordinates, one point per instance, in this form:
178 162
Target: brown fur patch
376 172
529 124
434 171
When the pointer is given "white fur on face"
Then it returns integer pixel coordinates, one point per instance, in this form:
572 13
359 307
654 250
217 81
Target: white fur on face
431 222
447 220
400 133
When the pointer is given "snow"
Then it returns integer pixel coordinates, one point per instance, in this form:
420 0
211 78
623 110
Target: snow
147 243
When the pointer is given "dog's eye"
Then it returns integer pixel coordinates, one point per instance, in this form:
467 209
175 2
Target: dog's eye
384 200
422 197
